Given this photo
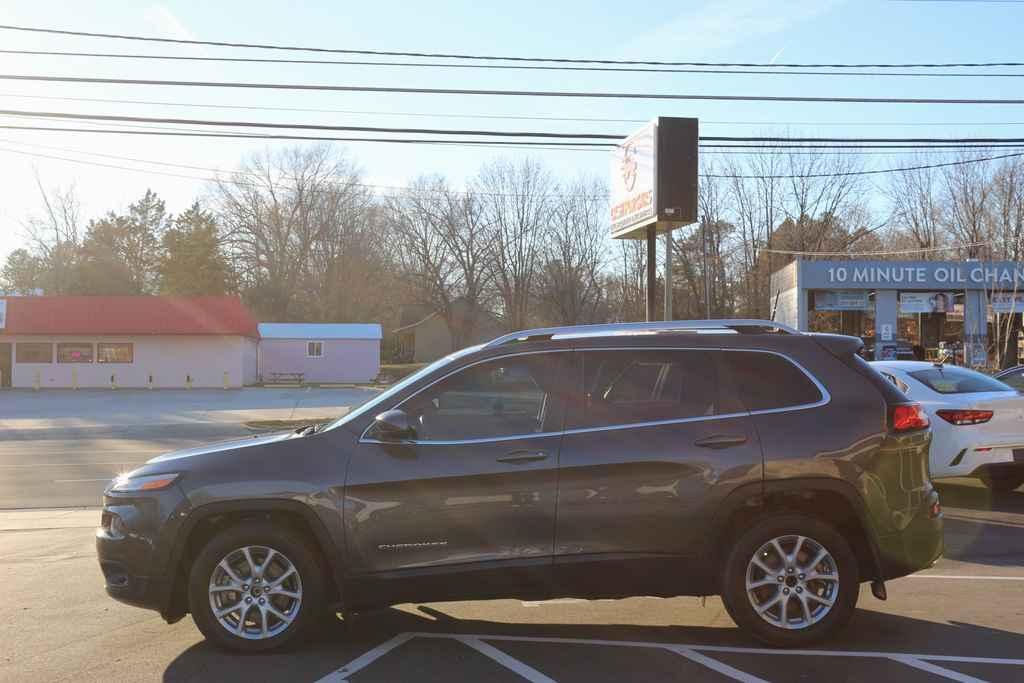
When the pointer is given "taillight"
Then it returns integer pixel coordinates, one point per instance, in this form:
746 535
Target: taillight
965 417
908 417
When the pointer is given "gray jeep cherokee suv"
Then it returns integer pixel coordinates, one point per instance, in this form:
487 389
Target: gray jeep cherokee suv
732 458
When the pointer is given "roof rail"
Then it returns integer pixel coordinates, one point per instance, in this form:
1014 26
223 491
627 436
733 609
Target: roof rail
662 327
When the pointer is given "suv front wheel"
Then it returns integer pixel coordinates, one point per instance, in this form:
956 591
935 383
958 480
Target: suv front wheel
255 587
791 580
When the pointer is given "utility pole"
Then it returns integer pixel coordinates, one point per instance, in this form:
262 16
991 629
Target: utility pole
652 272
707 272
668 276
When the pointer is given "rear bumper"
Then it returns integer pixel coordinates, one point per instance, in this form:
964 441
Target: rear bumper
918 546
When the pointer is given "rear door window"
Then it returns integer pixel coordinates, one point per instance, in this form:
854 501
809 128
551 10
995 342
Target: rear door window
768 381
636 386
950 379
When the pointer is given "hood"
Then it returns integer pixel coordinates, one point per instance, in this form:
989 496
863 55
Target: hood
232 445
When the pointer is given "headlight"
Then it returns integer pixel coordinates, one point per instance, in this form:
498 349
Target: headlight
151 482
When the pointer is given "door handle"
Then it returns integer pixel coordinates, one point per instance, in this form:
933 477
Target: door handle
721 441
523 457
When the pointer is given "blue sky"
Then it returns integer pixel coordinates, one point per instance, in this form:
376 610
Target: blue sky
745 30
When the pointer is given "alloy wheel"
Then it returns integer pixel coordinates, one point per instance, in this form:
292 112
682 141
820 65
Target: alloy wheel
255 592
792 582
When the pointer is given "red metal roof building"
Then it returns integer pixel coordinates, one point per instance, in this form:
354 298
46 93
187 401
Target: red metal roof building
160 341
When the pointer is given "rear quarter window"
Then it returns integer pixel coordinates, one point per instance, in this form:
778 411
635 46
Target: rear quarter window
767 381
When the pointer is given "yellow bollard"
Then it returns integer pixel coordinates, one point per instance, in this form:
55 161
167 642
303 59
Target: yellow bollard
226 384
113 382
188 381
74 378
35 382
151 381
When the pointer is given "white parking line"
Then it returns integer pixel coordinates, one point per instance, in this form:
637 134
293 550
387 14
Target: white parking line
715 665
366 659
507 661
965 577
937 670
695 653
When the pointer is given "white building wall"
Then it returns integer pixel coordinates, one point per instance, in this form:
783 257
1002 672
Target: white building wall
168 358
250 361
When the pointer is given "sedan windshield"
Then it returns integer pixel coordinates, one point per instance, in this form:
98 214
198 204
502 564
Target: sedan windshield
399 386
955 380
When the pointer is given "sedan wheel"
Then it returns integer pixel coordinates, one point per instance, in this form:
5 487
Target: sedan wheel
255 592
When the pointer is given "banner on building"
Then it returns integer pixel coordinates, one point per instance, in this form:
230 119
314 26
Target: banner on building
841 300
927 302
3 313
1007 302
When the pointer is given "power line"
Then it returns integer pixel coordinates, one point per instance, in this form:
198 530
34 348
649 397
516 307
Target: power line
442 55
509 93
518 67
962 162
510 117
786 140
888 252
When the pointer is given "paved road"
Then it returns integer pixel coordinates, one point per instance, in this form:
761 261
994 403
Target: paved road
61 448
962 620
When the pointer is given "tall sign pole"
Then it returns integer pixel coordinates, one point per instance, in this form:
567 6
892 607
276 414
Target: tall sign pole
654 191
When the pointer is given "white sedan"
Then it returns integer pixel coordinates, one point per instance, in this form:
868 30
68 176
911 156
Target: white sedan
977 421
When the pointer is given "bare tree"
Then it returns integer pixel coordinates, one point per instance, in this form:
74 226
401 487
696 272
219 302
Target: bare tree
443 248
968 190
518 201
570 290
916 205
277 211
55 236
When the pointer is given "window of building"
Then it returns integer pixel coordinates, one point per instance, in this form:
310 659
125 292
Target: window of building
500 398
629 387
115 353
765 381
314 349
74 352
33 352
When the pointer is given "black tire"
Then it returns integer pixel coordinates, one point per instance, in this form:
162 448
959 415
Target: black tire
734 586
299 552
1003 484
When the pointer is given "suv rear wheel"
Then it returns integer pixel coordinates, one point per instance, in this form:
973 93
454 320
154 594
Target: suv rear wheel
255 587
791 580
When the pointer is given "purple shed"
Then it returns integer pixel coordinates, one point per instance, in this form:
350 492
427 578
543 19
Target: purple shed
320 352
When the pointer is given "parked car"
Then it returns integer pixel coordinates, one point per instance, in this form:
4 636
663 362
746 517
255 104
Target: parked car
738 458
1013 376
978 421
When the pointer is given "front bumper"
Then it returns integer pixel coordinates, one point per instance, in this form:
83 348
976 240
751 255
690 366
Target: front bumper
918 546
133 545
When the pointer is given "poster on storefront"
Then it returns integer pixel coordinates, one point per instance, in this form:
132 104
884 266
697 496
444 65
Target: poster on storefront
841 300
1007 302
927 302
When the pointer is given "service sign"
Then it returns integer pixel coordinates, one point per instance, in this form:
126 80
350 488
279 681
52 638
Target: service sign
634 181
3 313
1007 302
841 300
927 302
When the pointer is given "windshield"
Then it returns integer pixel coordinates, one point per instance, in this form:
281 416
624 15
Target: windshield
956 380
399 386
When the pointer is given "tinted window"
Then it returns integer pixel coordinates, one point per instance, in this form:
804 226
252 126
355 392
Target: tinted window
499 398
765 381
627 387
114 353
74 353
34 353
953 380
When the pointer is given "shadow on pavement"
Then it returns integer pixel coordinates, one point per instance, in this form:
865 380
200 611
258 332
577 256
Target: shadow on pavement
339 642
982 526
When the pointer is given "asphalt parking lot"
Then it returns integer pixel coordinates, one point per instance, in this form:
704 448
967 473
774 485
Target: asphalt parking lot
963 620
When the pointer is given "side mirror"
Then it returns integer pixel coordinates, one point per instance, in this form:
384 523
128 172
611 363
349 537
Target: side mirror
393 425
